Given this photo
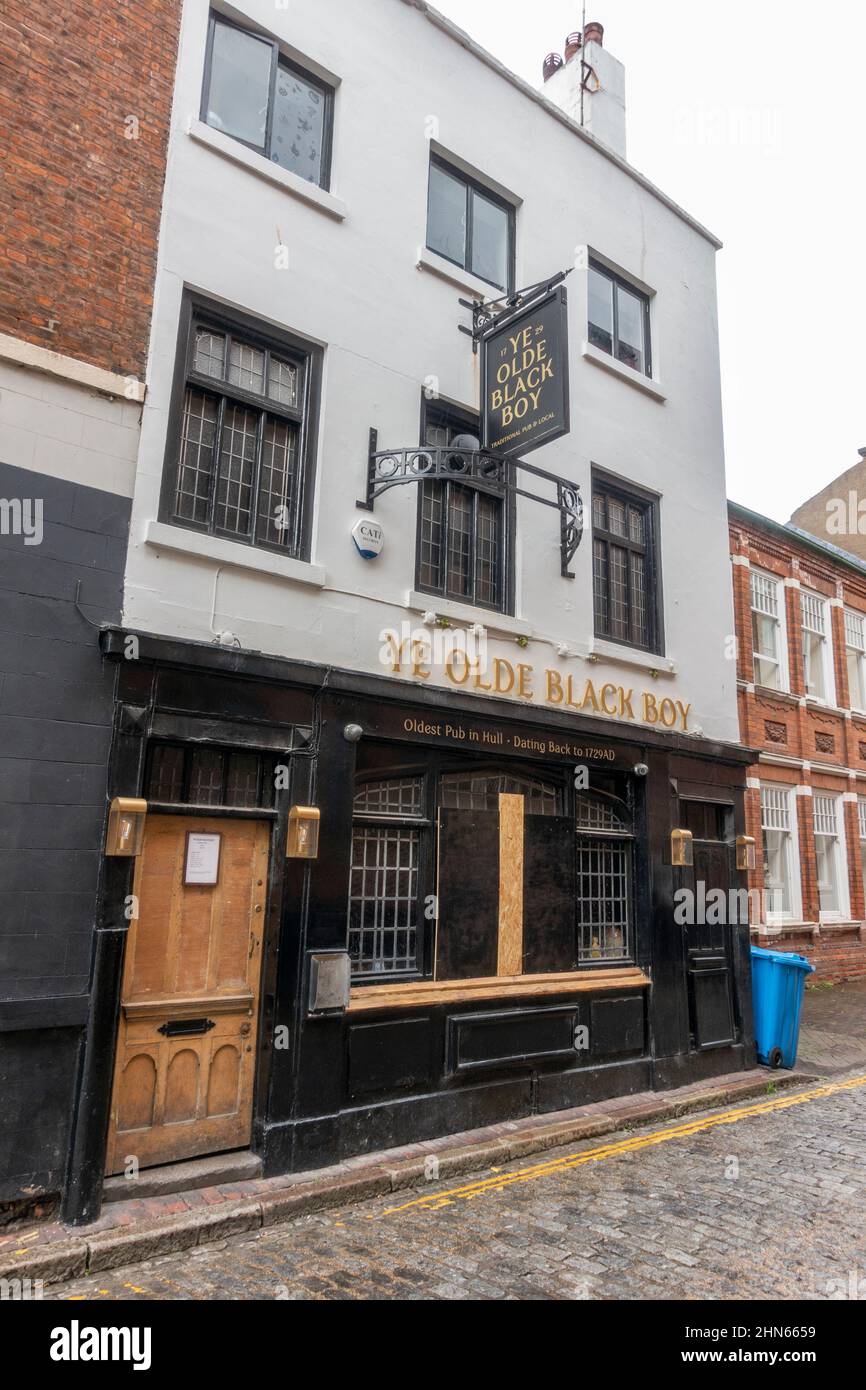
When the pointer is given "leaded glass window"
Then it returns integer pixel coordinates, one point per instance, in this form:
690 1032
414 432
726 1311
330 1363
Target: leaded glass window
244 436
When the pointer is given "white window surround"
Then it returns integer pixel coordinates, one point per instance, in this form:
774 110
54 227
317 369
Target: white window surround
632 656
266 169
647 384
828 822
773 589
855 641
815 618
435 264
183 541
465 615
779 813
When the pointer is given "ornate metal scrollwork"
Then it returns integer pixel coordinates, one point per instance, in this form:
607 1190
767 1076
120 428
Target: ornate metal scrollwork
570 524
484 469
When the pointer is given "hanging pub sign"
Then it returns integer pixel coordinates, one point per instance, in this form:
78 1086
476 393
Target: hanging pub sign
524 376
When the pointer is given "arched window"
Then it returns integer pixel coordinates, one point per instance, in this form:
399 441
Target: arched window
604 834
480 791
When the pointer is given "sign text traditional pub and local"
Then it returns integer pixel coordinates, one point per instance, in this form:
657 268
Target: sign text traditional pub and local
525 377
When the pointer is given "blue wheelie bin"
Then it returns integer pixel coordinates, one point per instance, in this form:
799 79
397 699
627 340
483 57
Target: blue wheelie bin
778 982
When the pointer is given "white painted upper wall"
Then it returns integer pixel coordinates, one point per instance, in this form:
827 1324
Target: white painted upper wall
354 285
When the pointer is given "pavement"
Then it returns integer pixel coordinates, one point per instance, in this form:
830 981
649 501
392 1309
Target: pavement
295 1223
833 1028
762 1200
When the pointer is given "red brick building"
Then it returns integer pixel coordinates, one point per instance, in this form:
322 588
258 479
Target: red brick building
85 104
800 606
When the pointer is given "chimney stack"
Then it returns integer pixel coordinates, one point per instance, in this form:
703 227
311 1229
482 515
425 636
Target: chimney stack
552 62
589 86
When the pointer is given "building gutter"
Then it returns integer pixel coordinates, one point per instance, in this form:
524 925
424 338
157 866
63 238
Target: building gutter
460 36
792 534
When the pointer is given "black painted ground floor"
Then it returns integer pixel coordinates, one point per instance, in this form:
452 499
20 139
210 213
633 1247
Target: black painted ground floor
487 929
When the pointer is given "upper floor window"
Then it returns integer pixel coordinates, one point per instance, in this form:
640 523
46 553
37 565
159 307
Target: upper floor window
625 572
781 865
470 225
256 95
462 530
855 657
242 442
814 623
619 318
769 653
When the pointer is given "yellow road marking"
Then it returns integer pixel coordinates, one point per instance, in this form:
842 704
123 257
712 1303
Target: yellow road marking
434 1200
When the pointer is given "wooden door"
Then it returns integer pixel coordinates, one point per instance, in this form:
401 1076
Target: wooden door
186 1048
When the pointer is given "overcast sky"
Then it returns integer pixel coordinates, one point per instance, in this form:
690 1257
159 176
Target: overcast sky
752 115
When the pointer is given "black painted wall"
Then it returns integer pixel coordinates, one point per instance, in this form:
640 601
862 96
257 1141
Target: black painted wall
56 711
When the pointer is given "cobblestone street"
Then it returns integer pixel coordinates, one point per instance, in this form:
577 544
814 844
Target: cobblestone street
718 1205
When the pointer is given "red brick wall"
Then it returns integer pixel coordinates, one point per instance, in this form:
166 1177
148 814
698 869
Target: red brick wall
81 201
777 723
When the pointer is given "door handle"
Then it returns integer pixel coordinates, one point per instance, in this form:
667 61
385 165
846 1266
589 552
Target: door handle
186 1027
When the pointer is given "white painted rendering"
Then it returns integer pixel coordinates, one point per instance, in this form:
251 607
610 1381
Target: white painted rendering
387 317
66 429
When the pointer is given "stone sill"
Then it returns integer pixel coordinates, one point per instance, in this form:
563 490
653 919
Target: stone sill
632 656
307 192
446 270
647 384
464 615
223 552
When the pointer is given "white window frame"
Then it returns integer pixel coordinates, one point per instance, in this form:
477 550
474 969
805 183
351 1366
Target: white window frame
855 641
861 825
771 604
822 627
785 810
827 805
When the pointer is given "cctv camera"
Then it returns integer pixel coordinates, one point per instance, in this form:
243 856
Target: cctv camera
640 769
353 733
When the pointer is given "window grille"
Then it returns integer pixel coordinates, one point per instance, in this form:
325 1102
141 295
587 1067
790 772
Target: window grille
383 900
824 815
775 809
604 860
461 791
603 899
812 609
391 797
765 595
597 813
854 631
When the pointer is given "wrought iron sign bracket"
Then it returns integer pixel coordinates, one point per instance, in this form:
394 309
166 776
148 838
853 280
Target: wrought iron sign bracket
488 314
482 468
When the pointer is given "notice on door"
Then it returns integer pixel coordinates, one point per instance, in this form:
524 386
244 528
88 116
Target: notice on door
202 858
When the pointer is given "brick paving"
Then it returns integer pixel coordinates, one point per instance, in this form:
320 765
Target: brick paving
771 1206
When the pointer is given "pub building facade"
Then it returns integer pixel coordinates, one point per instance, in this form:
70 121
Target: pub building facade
424 706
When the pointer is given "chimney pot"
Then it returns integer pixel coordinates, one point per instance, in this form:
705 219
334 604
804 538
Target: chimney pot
594 33
573 45
552 63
